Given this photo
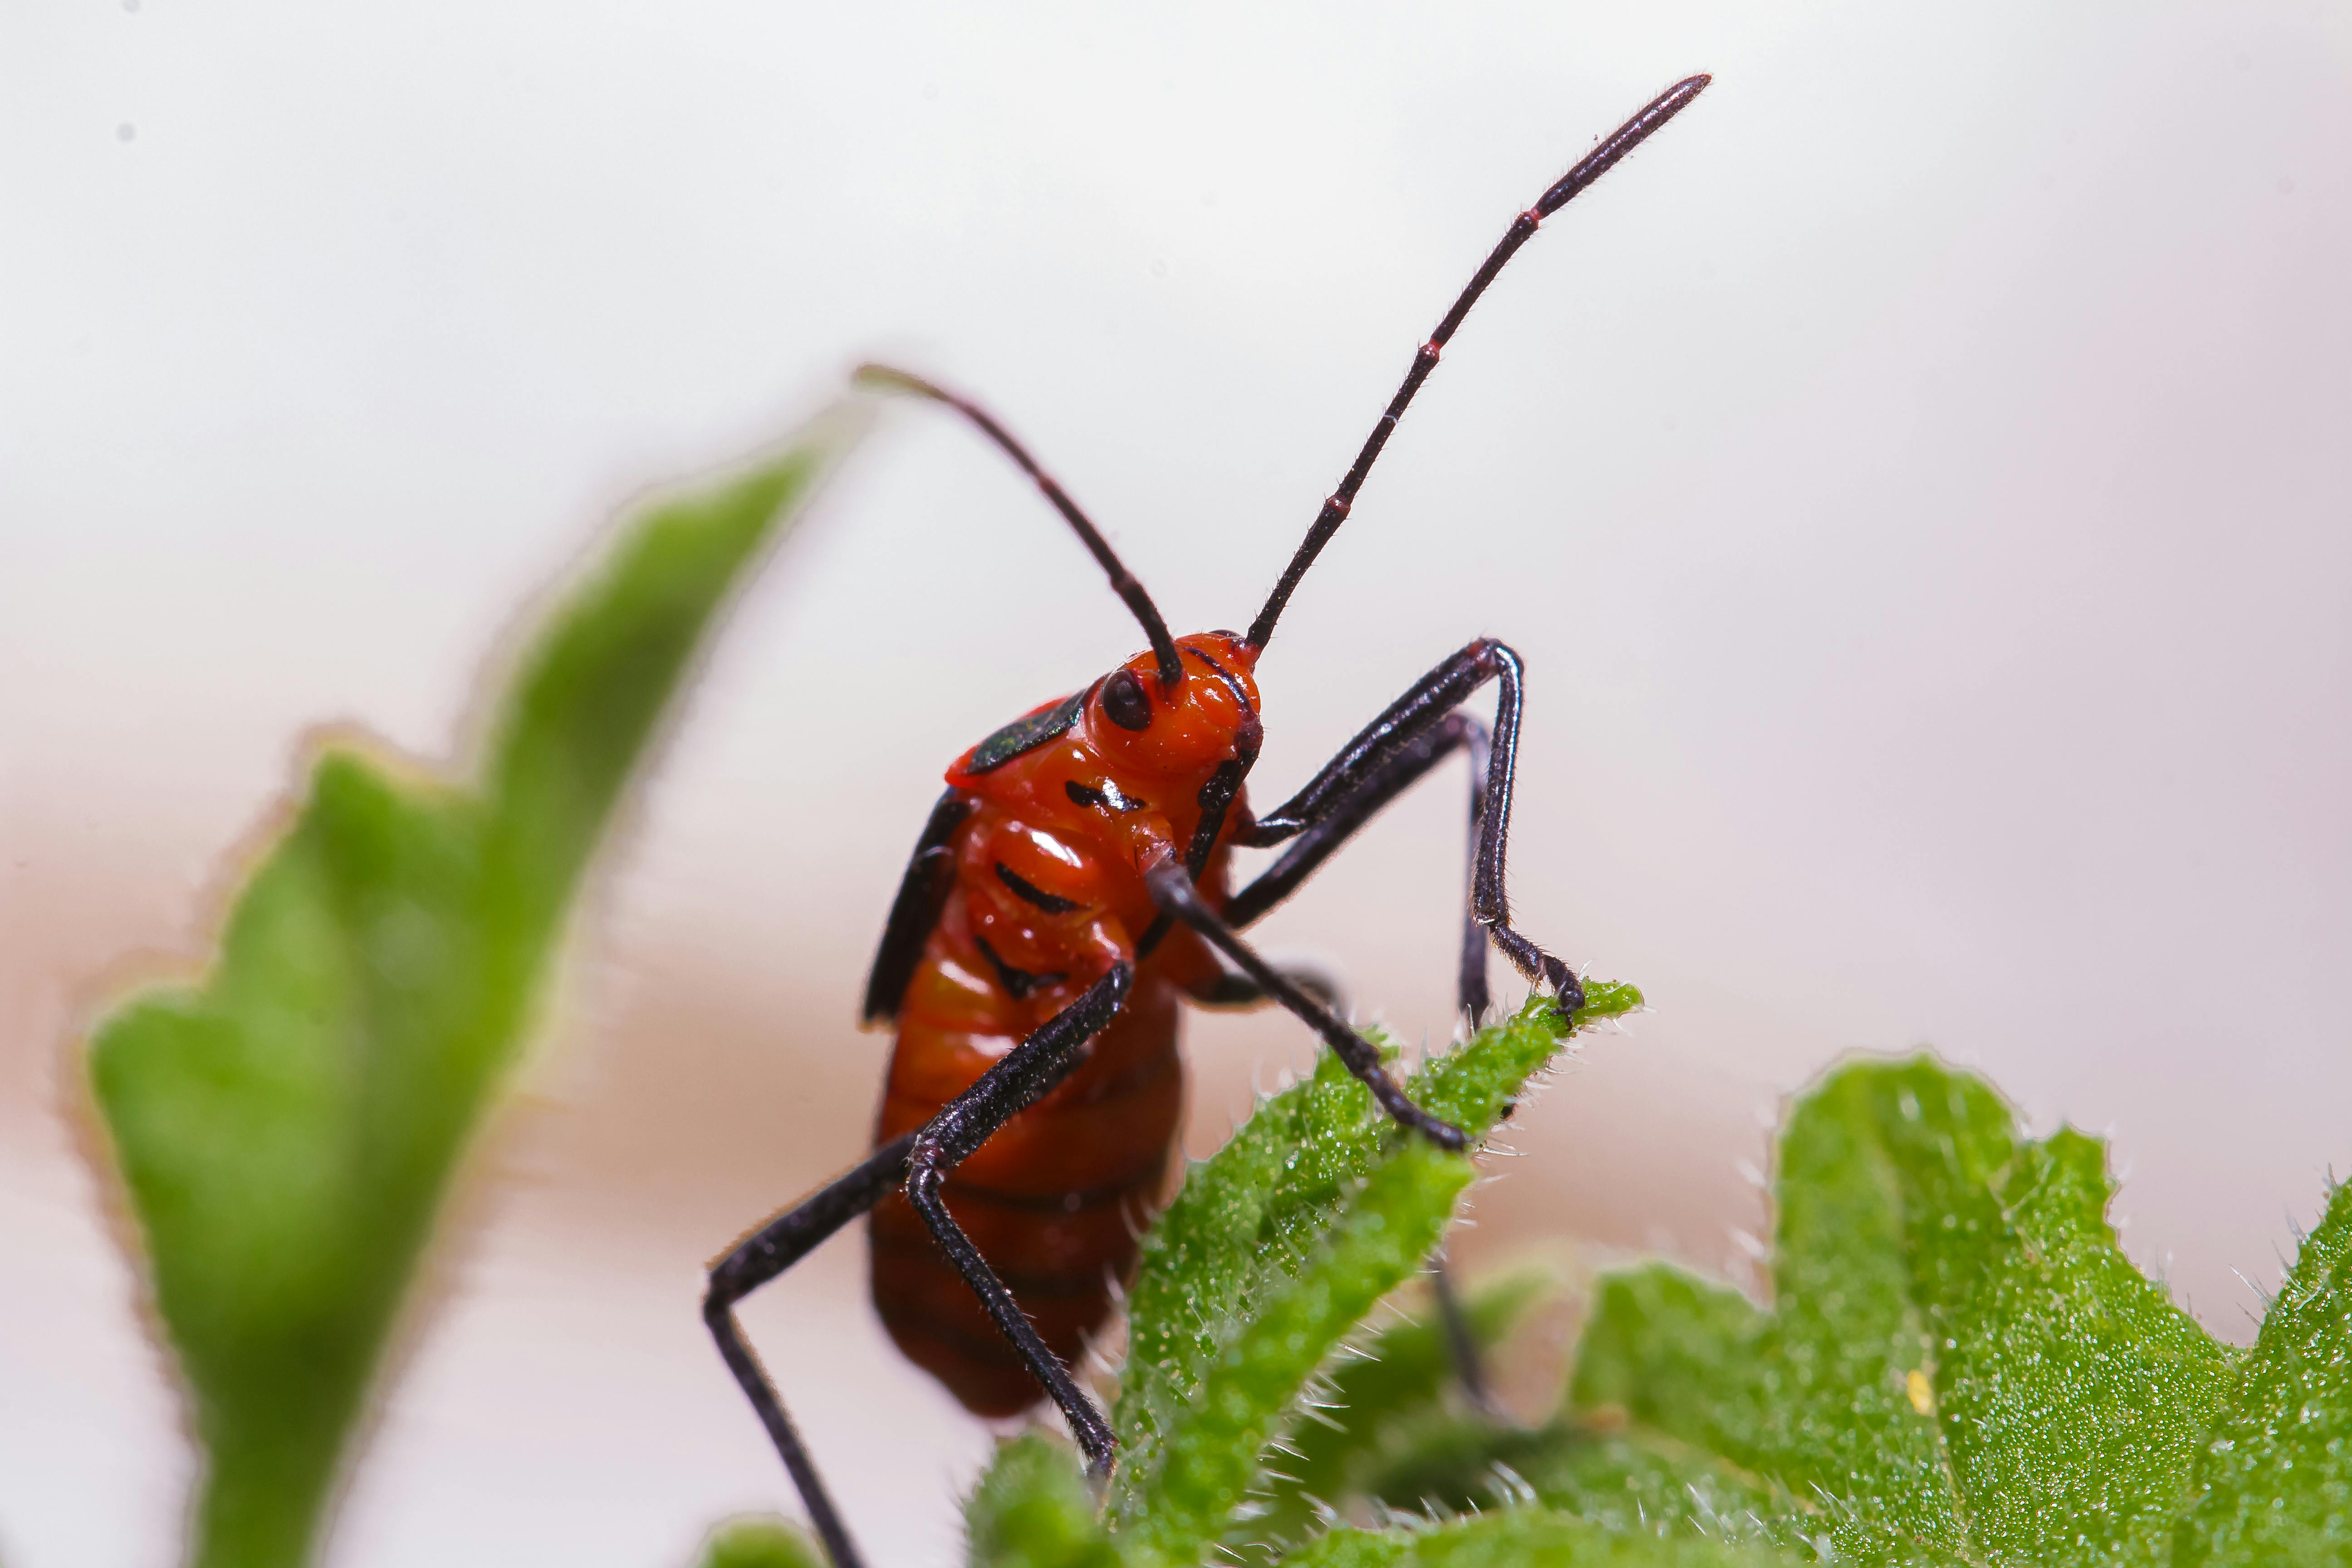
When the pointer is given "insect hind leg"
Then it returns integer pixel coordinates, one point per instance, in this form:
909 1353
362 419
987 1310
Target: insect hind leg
1016 1081
761 1256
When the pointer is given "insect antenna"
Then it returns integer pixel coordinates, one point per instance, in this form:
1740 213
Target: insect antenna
1122 581
1590 167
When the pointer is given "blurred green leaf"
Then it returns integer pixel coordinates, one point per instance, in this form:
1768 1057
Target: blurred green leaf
1274 1250
284 1131
760 1541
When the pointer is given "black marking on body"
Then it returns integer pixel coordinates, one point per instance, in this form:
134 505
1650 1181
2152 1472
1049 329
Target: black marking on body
1107 798
1217 799
1052 903
1232 682
1025 734
922 894
1017 983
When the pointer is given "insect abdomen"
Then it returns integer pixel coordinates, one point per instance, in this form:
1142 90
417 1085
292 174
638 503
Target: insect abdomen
1054 1201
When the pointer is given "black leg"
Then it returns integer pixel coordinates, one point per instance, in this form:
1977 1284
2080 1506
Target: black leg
1174 892
1233 989
1017 1080
1384 757
1470 993
760 1258
1399 771
1460 1341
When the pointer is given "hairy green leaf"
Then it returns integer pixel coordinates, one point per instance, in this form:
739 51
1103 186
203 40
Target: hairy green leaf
1274 1251
1961 1366
1034 1510
1616 1467
2277 1477
284 1130
1526 1538
1387 1417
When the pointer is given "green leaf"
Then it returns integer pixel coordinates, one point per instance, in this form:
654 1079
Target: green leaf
1962 1366
1640 1482
1389 1418
1274 1250
760 1541
1034 1509
285 1131
1615 1467
2277 1477
1525 1538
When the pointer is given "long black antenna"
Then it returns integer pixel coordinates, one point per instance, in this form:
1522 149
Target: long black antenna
1163 646
1594 164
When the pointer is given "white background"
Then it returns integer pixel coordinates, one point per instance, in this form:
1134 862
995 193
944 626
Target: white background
1917 481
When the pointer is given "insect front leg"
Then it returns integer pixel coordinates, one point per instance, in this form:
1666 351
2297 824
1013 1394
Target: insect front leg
1385 757
761 1256
1024 1075
1404 768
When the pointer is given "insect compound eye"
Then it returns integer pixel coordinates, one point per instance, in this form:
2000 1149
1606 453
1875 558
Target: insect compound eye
1123 699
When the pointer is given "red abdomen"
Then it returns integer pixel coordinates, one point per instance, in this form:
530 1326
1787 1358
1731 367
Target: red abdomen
1055 1200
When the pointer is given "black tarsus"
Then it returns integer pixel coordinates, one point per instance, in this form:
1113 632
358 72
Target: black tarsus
1589 168
1122 581
922 894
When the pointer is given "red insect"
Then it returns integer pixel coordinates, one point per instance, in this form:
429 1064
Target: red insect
1069 889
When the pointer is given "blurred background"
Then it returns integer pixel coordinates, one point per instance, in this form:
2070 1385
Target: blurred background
1918 482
